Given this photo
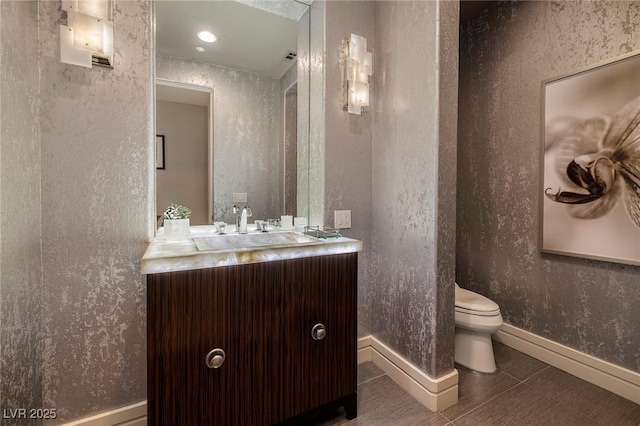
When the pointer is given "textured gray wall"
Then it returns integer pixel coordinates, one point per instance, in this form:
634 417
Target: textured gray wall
97 204
394 167
447 151
312 61
408 302
247 116
290 153
348 137
20 229
506 52
289 142
400 299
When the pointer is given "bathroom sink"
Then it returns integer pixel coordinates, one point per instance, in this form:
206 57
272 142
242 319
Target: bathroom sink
250 241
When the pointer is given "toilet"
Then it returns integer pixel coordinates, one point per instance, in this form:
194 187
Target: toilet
477 318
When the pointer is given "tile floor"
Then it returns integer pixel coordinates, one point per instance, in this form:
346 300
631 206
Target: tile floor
523 392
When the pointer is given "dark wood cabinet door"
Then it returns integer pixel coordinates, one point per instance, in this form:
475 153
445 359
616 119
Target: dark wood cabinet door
308 373
262 316
191 313
329 294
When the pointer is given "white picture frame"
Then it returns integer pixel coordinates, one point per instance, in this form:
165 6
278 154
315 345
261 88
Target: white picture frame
590 157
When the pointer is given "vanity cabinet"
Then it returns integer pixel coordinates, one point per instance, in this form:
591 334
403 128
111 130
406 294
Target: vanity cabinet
287 329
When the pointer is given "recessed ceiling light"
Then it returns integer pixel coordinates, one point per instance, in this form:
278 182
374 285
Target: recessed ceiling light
200 49
207 36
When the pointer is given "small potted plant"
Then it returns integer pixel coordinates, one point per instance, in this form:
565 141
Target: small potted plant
176 221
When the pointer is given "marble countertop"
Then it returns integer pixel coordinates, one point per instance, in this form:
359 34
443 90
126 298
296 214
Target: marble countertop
164 255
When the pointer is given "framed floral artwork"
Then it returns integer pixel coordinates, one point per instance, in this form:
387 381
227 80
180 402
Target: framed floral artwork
590 192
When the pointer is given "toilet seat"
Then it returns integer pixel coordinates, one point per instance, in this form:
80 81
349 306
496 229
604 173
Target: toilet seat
468 302
478 313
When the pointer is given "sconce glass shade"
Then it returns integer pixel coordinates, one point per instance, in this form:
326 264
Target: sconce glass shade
68 53
97 8
359 66
357 47
86 40
358 97
367 64
92 33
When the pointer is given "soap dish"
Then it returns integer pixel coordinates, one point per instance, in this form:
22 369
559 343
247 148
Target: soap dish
315 231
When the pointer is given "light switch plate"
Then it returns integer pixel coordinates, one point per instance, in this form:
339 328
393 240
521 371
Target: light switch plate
342 219
239 197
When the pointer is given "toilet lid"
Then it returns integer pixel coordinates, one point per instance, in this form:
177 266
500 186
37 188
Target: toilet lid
474 302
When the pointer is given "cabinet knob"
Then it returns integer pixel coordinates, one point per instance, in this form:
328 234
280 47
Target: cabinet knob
318 332
215 358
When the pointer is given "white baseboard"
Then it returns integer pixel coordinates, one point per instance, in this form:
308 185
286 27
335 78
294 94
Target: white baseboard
611 377
438 394
434 393
142 421
131 415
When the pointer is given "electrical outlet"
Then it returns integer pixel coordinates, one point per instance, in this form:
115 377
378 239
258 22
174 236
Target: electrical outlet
239 197
342 219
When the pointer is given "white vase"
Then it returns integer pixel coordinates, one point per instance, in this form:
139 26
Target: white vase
176 229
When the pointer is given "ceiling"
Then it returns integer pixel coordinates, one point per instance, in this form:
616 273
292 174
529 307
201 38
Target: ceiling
249 37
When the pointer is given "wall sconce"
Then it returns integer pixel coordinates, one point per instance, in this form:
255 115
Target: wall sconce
358 66
87 39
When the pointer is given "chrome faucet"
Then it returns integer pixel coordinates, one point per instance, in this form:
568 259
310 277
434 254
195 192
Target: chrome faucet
237 212
246 212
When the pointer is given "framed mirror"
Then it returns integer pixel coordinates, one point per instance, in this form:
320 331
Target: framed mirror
234 112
